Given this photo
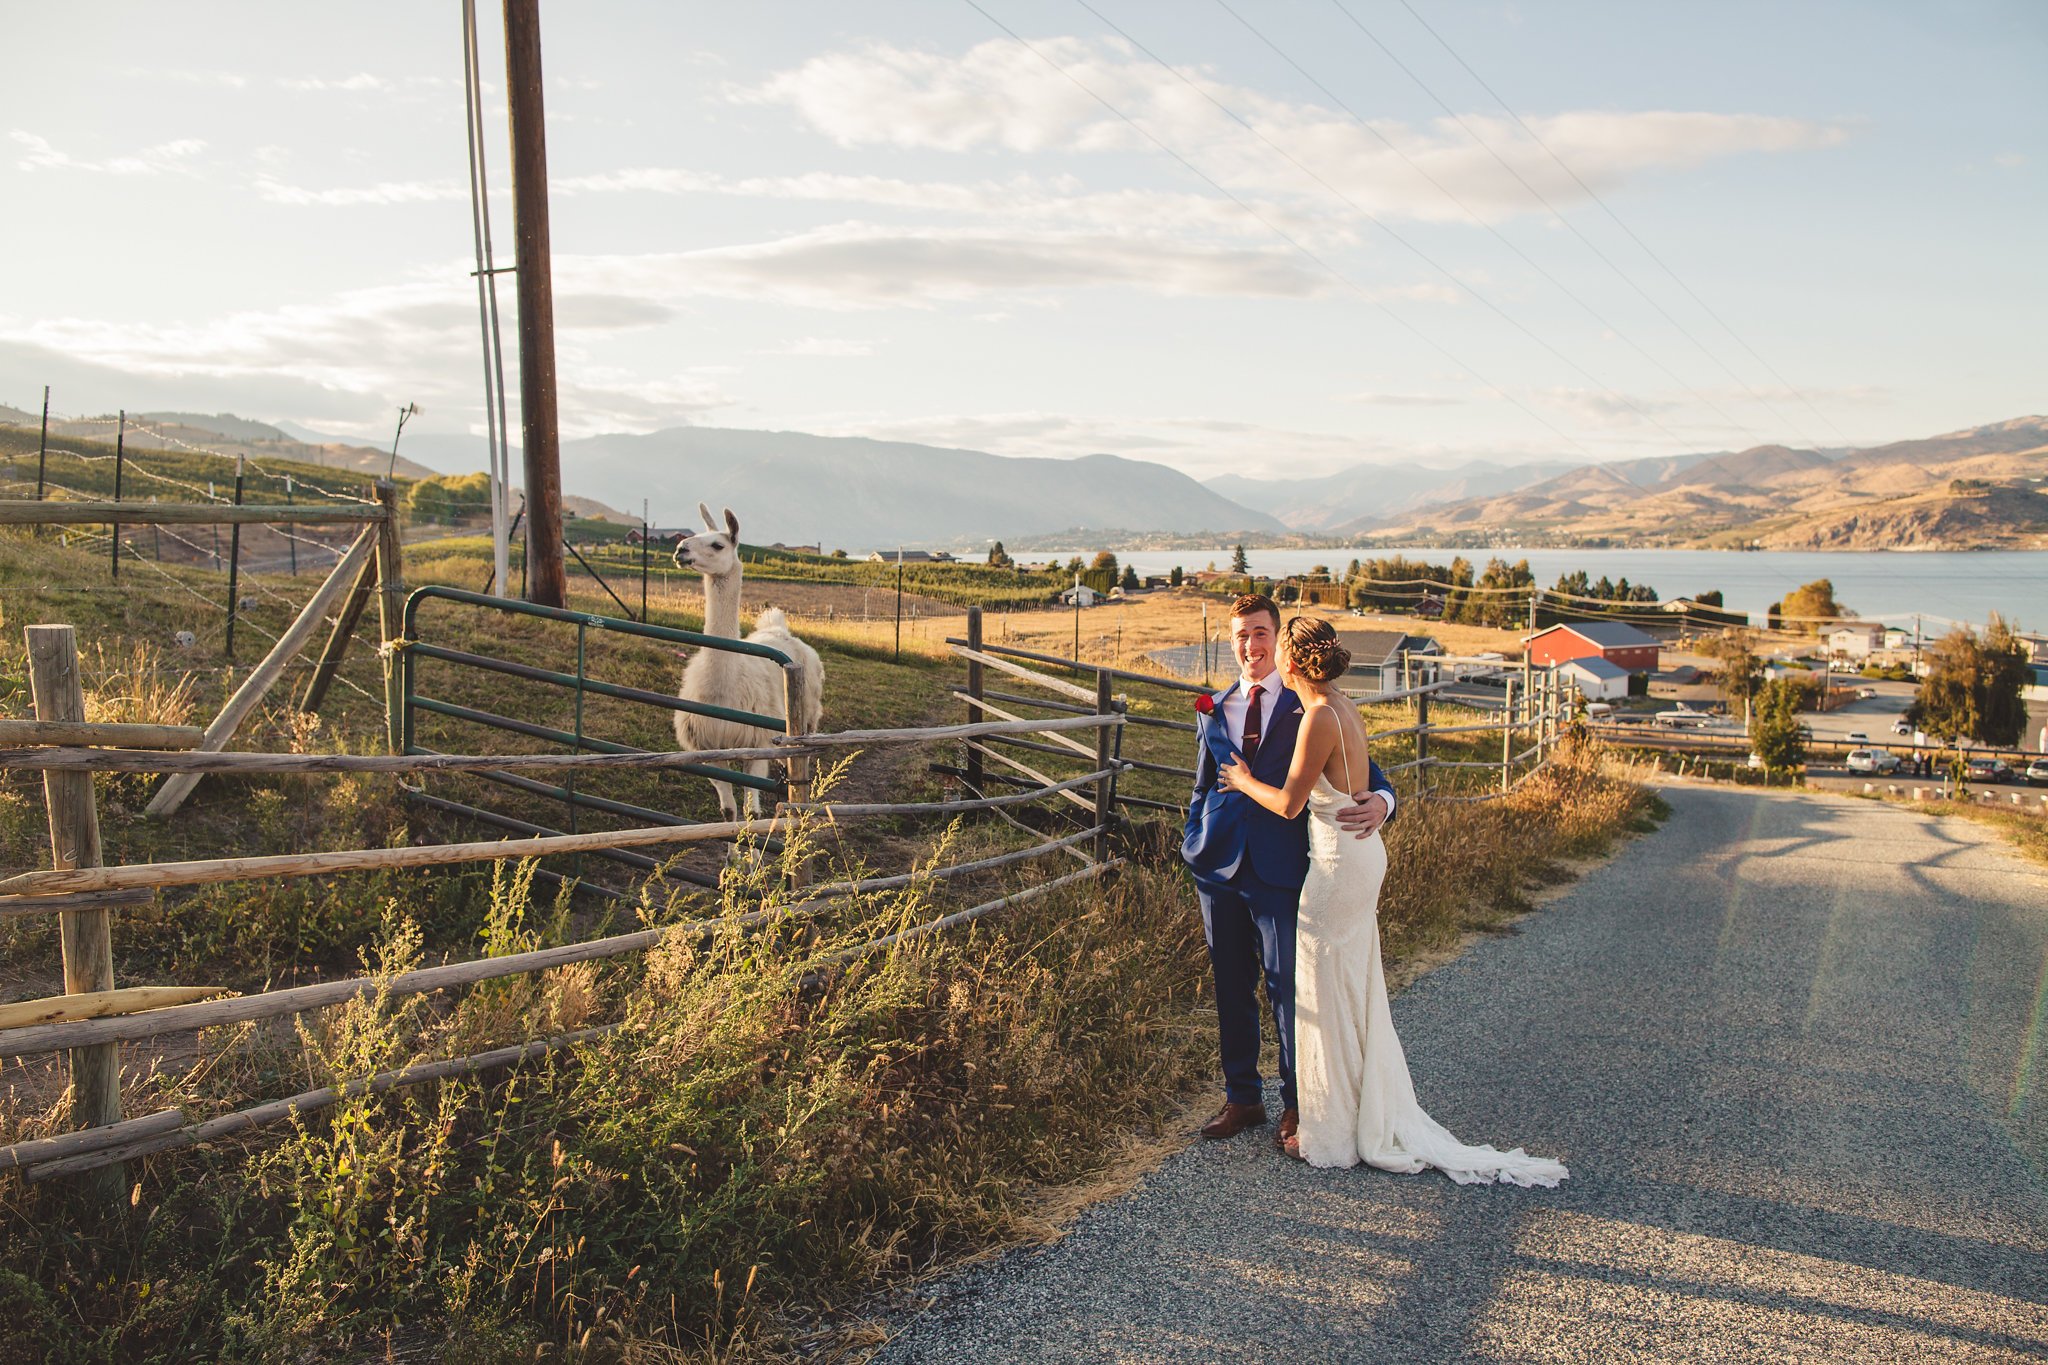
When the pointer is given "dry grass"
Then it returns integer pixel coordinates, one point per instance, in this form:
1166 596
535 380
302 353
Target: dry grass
747 1155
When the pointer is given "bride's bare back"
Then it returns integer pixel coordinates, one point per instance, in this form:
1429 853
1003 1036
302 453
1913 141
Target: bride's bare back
1348 768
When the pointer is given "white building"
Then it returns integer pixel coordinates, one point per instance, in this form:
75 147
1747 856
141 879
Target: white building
1596 679
1855 639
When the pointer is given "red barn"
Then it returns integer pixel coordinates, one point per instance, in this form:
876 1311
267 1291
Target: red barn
1618 642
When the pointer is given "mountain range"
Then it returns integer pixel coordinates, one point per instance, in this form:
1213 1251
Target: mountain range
1982 487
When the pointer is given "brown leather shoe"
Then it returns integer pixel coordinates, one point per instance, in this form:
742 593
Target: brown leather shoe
1290 1124
1233 1119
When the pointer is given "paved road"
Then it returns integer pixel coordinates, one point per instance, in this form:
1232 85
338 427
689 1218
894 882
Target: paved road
1792 1049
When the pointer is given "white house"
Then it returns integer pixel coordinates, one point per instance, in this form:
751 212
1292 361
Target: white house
1080 595
1595 677
1855 639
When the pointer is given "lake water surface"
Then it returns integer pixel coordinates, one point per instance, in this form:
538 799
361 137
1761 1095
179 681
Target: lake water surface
1942 586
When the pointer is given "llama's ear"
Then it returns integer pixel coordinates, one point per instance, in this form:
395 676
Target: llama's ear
732 524
705 512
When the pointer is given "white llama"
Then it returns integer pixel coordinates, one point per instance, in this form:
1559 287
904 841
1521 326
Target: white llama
744 682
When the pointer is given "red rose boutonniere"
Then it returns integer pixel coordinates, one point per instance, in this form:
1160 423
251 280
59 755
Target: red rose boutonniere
1205 703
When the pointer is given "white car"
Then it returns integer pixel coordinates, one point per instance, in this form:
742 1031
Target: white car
1682 717
1873 761
1900 727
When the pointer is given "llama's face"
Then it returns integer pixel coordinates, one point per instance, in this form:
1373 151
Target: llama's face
714 552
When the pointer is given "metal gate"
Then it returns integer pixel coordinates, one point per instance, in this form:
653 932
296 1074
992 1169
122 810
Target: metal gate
580 685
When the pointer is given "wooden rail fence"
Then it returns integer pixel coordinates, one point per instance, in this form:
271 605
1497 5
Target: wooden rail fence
93 1018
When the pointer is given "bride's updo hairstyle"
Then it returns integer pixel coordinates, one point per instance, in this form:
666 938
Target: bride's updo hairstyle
1313 650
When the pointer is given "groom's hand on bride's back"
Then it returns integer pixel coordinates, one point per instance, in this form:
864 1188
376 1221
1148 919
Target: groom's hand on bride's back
1365 817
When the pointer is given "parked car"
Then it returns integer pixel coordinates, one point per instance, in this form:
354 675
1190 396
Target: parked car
1755 761
1990 770
2037 773
1865 693
1902 727
1873 761
1684 717
1858 737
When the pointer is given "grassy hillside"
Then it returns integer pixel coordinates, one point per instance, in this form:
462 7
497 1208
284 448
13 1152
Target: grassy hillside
744 1155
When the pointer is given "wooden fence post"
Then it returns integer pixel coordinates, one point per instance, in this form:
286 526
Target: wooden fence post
391 611
1105 788
1422 744
86 935
799 788
1507 734
975 714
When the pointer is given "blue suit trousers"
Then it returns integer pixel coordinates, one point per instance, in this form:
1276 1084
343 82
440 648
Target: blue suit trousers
1249 925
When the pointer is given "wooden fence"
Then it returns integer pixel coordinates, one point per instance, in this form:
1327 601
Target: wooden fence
1537 707
93 1017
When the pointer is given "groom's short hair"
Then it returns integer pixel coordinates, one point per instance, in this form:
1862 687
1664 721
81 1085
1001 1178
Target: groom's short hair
1252 603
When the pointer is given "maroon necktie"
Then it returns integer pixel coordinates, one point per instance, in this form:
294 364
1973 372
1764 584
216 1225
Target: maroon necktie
1251 725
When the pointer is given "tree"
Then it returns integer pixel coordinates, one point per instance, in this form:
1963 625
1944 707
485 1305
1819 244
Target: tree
1130 580
450 497
1318 571
1176 577
1104 559
1815 600
998 557
1973 687
1741 670
1774 729
1239 561
1708 599
1075 565
839 554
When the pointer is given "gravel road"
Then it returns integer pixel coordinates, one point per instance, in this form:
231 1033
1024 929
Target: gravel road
1792 1048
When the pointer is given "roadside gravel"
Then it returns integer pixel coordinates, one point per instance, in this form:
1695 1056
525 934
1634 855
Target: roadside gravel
1791 1048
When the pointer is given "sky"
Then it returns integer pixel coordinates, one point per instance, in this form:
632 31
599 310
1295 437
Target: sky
1268 239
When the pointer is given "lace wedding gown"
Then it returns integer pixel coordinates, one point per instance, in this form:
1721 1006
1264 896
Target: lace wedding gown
1357 1101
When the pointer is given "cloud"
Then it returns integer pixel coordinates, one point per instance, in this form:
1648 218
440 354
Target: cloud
360 81
385 192
856 265
1020 199
174 157
998 95
1402 400
1596 408
822 346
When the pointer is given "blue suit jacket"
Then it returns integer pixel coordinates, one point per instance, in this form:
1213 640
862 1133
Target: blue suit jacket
1226 828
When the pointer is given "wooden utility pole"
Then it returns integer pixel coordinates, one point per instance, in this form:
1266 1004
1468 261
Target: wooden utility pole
547 575
86 935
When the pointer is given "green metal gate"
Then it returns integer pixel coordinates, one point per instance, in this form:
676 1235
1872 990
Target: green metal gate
580 685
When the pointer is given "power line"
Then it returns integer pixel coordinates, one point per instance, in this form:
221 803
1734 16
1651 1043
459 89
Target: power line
1604 208
1498 235
1377 222
1282 233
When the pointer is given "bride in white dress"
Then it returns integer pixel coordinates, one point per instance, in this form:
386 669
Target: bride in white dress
1357 1101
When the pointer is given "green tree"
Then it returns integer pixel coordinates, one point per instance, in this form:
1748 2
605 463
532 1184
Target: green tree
1075 565
1741 670
1105 559
1816 601
1973 687
1176 578
450 497
1240 562
998 557
839 554
1774 729
1130 580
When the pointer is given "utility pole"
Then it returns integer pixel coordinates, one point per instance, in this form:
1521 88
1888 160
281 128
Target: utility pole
547 574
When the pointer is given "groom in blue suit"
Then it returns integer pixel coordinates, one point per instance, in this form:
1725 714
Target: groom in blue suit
1249 864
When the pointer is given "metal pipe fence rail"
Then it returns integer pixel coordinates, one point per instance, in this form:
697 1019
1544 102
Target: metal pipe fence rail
77 888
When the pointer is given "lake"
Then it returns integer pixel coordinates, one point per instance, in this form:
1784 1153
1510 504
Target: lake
1943 586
